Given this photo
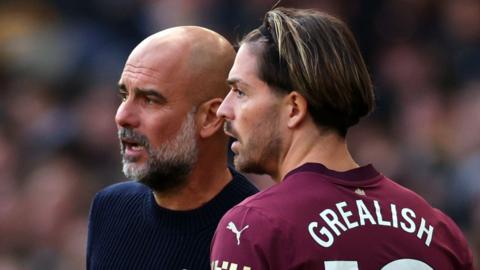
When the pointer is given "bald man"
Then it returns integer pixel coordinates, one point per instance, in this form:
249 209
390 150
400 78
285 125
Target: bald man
174 150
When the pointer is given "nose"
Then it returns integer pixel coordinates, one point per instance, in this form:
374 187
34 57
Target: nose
126 115
226 108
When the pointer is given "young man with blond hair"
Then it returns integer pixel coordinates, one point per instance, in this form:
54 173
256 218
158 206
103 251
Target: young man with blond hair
298 84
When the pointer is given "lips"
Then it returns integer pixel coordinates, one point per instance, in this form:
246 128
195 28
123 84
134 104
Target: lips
134 147
131 147
132 144
227 128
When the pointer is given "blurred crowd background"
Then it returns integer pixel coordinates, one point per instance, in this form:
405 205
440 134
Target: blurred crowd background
60 61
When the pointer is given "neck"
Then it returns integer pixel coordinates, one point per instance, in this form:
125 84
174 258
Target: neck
313 145
207 178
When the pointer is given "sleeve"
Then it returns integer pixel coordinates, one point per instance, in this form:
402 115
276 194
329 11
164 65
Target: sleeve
453 238
248 239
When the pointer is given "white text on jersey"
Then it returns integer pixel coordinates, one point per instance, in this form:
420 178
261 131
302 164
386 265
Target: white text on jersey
228 266
406 221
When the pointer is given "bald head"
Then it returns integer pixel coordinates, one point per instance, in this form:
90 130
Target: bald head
197 58
171 87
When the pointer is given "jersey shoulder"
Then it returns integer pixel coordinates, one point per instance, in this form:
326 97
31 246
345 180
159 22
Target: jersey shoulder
248 238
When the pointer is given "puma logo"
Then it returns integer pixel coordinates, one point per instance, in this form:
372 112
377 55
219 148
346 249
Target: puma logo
231 226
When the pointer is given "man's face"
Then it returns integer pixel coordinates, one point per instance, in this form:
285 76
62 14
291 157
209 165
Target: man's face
156 122
251 111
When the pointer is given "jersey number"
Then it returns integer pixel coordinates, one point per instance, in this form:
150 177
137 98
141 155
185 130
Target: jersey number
395 265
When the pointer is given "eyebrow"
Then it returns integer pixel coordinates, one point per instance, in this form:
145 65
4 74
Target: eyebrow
144 92
234 81
122 87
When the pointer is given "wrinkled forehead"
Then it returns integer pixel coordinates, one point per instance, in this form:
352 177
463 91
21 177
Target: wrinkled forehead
159 65
193 59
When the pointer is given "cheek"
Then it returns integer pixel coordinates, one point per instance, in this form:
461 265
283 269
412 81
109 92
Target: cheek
245 117
159 130
250 122
255 114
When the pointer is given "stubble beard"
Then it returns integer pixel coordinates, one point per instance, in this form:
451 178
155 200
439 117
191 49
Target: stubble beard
168 166
261 152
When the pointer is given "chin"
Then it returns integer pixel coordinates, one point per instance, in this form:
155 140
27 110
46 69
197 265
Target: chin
134 171
249 166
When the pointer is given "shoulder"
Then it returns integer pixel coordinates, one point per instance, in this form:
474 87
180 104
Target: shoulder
250 237
123 188
262 213
447 232
273 199
249 214
120 191
263 209
119 200
451 235
409 198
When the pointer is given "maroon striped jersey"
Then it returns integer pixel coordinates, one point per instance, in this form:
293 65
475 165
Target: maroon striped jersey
317 218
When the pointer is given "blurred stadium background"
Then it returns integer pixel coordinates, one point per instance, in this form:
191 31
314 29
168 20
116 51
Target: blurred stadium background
60 61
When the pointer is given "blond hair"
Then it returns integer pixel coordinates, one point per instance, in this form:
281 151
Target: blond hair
316 55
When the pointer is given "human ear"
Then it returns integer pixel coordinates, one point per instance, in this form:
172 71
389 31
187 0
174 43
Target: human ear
297 107
208 122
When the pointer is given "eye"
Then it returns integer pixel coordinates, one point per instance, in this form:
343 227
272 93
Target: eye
238 92
123 96
149 101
